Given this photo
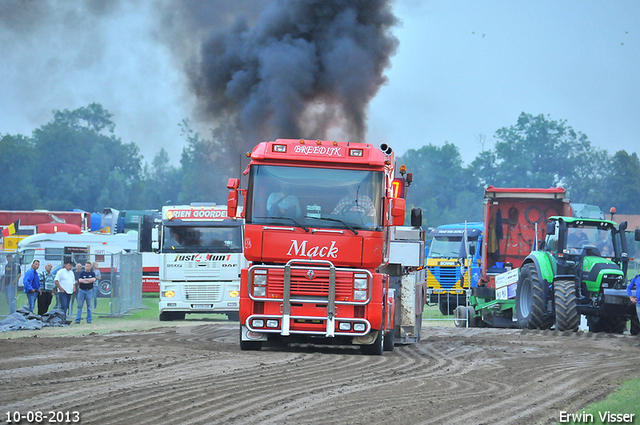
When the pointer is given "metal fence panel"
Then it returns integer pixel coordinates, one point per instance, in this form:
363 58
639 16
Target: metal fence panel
121 280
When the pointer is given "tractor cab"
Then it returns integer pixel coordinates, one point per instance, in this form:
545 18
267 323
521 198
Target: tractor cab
591 250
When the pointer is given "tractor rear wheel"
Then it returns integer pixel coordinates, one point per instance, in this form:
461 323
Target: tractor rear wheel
531 300
567 317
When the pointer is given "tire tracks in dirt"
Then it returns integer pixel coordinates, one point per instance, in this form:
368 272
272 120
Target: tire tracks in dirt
199 375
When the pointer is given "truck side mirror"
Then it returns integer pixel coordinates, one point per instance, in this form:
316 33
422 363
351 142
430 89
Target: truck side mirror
416 217
551 228
397 211
622 228
155 238
232 200
637 238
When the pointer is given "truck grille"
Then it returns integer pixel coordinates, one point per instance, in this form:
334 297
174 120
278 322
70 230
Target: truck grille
446 276
203 292
301 285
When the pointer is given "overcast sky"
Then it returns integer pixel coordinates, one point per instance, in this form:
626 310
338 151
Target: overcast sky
462 69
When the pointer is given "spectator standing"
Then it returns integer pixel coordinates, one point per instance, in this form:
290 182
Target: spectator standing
96 284
47 280
85 291
65 283
32 284
635 296
74 296
10 282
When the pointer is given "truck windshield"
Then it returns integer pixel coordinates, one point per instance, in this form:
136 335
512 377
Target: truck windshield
201 239
449 246
583 236
315 197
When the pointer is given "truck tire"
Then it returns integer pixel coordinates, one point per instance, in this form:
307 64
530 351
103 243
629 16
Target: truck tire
166 317
249 345
447 304
234 317
104 288
376 348
460 317
389 342
635 325
567 317
531 299
474 322
607 324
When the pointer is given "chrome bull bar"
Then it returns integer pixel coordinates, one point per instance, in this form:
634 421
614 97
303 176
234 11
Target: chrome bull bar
286 316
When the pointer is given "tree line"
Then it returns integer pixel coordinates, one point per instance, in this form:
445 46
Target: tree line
77 161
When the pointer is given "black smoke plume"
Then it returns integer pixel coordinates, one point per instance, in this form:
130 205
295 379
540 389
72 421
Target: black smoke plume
299 68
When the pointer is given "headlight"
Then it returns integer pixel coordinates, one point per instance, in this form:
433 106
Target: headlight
344 326
360 283
360 295
257 323
359 327
260 279
234 294
272 323
259 291
169 294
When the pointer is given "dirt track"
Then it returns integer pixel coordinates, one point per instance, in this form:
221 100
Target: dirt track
197 374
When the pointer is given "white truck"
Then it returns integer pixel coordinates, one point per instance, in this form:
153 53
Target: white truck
201 256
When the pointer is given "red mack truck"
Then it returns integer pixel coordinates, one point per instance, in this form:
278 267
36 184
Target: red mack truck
318 229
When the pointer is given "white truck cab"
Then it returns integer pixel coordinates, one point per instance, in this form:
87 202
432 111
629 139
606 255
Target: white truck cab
201 257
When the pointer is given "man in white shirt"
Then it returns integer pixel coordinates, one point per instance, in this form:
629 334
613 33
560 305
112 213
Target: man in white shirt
65 281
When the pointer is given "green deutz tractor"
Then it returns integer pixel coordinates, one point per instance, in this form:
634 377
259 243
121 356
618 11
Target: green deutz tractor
580 269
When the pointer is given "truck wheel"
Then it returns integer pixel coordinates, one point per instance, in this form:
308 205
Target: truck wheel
389 341
166 317
234 317
249 345
376 348
567 317
104 288
474 322
447 305
531 300
179 316
635 325
460 317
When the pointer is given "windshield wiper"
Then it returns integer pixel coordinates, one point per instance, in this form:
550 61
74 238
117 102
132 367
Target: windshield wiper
306 229
355 232
182 249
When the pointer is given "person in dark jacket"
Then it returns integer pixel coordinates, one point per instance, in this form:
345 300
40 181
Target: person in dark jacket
635 297
32 284
47 280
